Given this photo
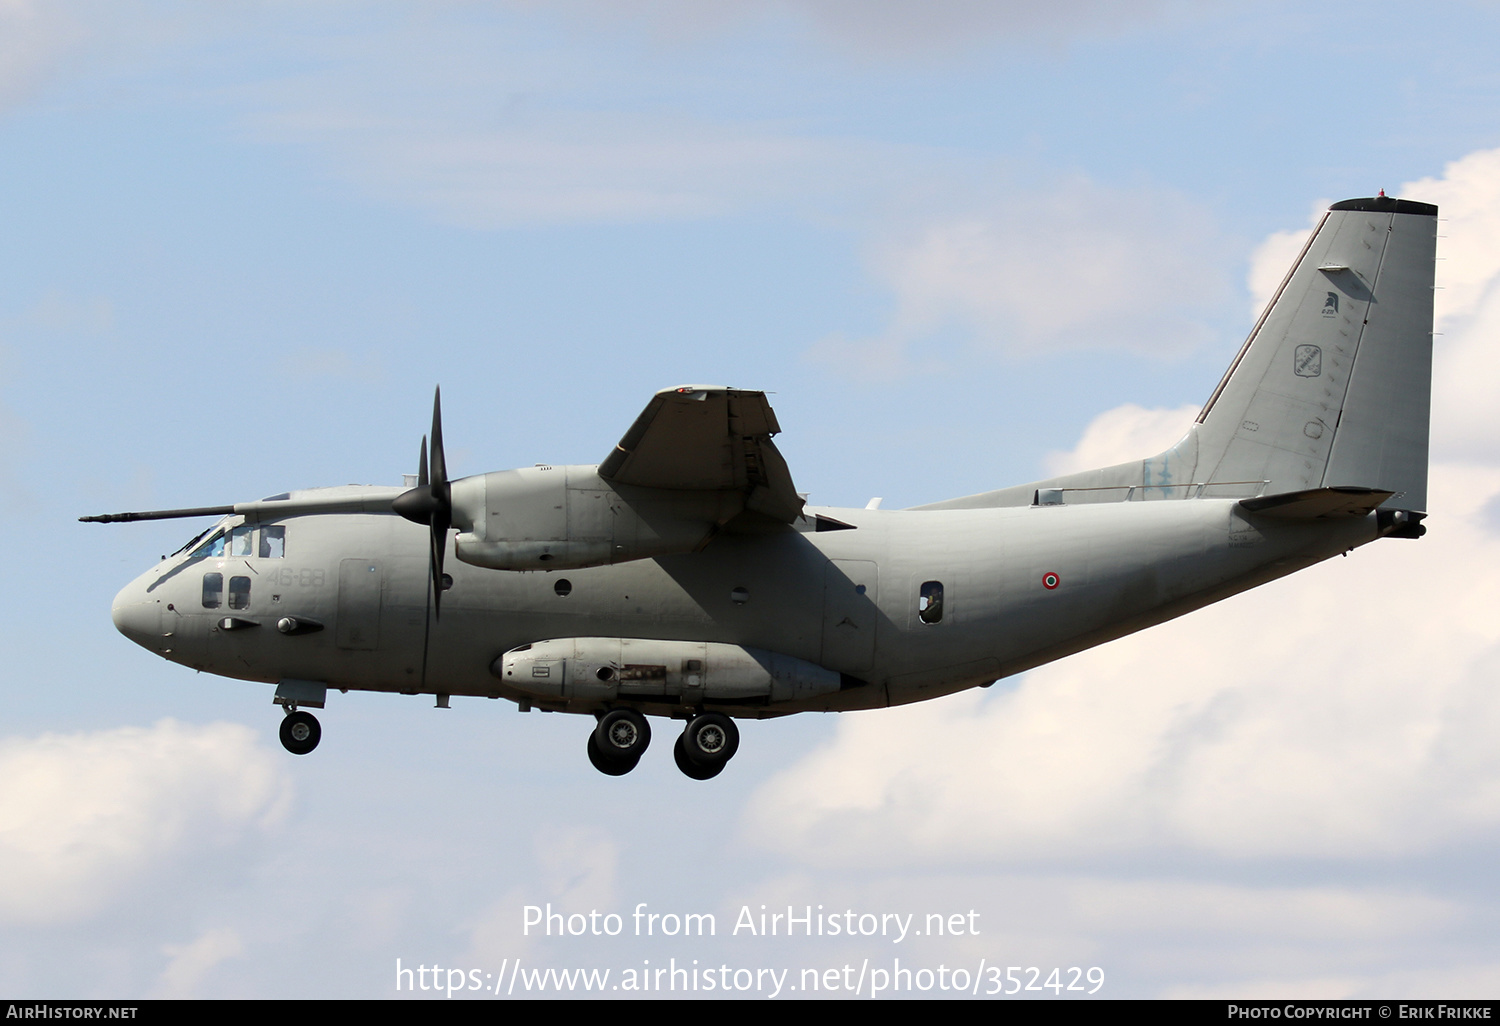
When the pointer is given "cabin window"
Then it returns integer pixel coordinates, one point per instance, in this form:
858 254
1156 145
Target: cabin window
239 593
563 587
273 542
213 589
930 602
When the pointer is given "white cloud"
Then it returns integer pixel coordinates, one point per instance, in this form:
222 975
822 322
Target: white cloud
582 111
1345 713
1079 266
1468 198
1128 432
1466 362
189 964
64 314
575 868
1203 937
35 39
571 167
83 816
577 865
1270 262
1273 258
887 27
880 28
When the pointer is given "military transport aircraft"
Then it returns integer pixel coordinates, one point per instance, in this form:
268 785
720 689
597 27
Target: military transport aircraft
684 577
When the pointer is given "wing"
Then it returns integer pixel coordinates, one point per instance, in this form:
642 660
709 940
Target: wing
707 438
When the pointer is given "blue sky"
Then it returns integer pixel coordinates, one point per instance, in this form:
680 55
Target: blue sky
961 243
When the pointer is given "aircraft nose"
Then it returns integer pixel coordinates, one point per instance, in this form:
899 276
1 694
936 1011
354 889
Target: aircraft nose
137 616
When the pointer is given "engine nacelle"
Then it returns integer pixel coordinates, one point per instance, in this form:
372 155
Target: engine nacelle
682 672
565 518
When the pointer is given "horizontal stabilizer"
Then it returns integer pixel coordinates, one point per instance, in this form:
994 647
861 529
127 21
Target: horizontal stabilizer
1317 503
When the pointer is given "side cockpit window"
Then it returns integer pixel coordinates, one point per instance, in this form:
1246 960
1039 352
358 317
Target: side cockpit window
213 590
242 540
273 541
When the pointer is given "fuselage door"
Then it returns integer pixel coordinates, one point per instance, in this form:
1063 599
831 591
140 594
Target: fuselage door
358 625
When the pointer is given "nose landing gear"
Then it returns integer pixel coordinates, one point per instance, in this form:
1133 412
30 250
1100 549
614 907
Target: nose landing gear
300 732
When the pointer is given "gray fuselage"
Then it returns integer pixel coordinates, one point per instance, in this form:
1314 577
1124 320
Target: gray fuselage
906 605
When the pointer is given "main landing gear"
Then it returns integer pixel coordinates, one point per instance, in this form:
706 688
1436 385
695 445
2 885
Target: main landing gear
619 741
701 751
300 732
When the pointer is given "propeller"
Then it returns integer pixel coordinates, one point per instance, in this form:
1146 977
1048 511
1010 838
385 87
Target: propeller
431 503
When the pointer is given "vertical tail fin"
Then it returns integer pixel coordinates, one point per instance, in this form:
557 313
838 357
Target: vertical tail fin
1333 387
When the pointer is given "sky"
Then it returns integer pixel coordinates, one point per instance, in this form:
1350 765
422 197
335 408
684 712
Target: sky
963 244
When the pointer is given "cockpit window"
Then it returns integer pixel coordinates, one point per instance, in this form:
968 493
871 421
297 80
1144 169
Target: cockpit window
192 541
211 548
273 542
213 590
242 540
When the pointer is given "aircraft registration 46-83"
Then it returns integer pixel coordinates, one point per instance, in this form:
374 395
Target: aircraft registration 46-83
684 577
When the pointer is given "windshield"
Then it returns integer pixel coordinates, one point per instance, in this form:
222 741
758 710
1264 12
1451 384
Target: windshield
192 541
265 541
213 547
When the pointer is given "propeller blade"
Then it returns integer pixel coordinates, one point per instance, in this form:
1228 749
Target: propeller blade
441 518
431 503
439 543
439 464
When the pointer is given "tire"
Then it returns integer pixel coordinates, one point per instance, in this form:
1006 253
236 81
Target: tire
613 767
300 732
690 768
711 739
622 734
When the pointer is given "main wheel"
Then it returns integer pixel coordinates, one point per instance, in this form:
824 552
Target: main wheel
300 732
711 739
690 768
622 734
614 766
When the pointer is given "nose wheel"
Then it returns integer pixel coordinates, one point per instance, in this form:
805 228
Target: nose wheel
300 732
